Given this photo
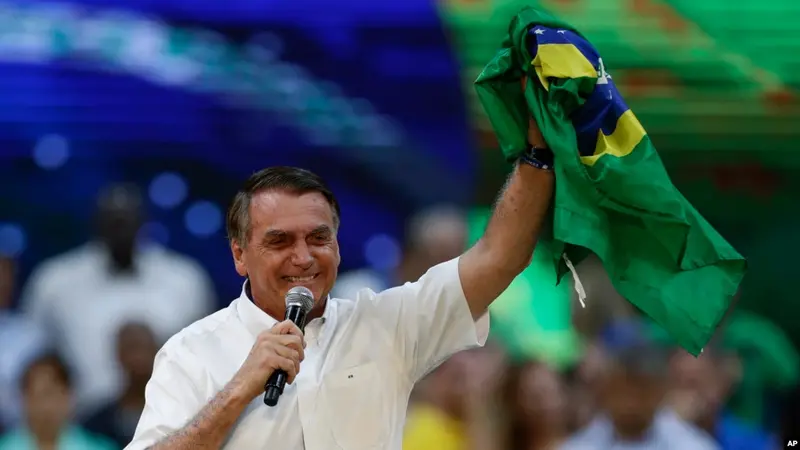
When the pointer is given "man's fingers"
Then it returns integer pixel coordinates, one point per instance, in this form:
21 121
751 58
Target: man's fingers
290 367
283 327
295 330
286 327
295 343
288 352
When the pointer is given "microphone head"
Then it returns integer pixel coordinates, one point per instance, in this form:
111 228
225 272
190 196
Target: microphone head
300 295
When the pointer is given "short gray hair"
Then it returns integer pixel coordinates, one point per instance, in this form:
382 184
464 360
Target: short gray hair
278 178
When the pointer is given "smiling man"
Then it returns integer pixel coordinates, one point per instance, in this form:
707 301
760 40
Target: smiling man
351 374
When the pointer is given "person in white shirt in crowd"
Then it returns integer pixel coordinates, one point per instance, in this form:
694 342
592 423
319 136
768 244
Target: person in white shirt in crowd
351 374
21 340
433 235
86 294
631 395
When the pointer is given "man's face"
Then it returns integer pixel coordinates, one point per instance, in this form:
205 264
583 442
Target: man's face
292 242
137 349
118 228
541 393
704 382
631 400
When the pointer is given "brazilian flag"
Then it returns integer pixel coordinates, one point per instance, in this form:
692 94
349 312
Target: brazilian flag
613 196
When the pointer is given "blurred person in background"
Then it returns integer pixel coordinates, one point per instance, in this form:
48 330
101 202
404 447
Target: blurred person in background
591 319
582 382
538 410
632 416
47 392
458 405
86 294
609 317
433 236
699 390
136 350
21 339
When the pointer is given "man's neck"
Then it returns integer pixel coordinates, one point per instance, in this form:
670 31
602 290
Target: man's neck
122 266
120 260
318 310
279 312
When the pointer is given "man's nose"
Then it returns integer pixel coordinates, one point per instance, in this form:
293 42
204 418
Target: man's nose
301 256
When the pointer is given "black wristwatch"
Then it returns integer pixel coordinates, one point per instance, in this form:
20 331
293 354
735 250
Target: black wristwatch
539 157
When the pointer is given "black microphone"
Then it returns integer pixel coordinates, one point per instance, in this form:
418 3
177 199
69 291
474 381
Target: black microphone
299 301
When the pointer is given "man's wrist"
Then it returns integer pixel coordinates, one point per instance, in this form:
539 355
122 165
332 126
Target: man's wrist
238 394
538 157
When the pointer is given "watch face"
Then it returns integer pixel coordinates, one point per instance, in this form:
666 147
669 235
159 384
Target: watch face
187 99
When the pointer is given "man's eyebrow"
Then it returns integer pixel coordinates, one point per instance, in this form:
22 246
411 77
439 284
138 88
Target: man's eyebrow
322 229
275 234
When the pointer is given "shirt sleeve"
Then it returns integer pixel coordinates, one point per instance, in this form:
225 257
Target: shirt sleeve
172 398
430 319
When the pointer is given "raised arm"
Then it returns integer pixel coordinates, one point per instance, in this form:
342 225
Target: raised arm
442 313
506 247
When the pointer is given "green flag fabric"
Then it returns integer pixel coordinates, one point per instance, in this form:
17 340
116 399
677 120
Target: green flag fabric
613 196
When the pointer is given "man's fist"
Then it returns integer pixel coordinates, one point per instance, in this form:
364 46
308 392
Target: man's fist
281 347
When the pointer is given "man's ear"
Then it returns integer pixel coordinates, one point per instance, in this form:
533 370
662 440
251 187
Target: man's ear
238 258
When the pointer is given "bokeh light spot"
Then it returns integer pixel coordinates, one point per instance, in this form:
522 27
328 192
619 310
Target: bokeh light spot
51 152
203 219
382 252
168 190
12 240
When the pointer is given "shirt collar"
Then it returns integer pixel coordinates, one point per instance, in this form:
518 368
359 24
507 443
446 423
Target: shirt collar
257 321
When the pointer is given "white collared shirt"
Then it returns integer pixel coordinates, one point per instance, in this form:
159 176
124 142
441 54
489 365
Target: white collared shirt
362 360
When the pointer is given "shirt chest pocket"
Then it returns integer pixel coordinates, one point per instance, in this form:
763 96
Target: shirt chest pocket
354 403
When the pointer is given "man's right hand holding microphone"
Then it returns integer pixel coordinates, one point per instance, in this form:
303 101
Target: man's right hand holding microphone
280 348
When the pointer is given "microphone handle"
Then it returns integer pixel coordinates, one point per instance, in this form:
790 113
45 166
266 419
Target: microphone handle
277 381
274 387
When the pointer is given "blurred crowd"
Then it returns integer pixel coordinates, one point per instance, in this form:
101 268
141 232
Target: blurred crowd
77 349
636 395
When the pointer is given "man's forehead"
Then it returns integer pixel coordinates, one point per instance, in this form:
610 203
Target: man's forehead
282 210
